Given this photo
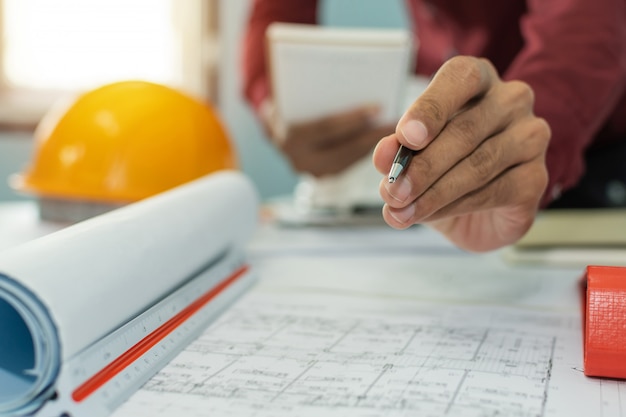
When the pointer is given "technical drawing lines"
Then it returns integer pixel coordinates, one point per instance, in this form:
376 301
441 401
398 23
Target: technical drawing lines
366 364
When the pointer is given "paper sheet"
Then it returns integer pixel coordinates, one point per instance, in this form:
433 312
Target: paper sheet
318 71
309 355
375 322
339 326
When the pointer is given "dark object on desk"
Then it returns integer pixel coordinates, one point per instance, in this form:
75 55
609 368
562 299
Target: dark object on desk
604 321
604 183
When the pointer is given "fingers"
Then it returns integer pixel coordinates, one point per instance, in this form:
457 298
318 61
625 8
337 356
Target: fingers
347 152
459 81
329 145
502 192
334 129
505 215
384 153
508 169
480 172
460 138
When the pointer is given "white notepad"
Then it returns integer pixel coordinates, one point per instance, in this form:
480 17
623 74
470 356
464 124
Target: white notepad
318 71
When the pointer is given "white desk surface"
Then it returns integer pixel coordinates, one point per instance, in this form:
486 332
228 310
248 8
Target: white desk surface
365 251
397 289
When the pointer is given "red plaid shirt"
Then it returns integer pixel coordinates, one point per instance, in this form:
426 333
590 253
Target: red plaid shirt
572 53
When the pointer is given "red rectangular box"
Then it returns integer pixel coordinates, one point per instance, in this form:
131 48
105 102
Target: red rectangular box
604 321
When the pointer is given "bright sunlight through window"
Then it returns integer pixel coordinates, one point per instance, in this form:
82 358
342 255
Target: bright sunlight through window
78 44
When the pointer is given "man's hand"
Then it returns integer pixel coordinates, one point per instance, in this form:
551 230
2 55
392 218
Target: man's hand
480 172
328 145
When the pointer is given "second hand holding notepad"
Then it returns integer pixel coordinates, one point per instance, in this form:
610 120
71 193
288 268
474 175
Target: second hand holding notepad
320 71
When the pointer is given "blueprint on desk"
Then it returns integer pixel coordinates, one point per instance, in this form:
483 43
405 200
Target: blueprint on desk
319 355
340 329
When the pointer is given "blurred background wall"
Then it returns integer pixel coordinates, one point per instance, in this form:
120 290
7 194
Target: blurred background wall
259 159
15 148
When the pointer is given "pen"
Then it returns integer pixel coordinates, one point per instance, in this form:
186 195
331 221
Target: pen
401 161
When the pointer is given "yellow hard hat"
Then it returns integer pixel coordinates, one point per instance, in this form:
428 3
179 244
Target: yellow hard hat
123 142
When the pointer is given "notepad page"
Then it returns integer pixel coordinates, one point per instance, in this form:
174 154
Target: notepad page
319 71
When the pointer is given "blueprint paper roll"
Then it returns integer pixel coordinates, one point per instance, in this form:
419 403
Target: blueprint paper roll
61 293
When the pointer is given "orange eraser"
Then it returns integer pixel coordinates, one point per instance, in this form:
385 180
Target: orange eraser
604 320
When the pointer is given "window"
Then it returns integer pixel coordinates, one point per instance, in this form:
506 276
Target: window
52 47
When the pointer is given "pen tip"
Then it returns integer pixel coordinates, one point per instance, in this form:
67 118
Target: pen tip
392 179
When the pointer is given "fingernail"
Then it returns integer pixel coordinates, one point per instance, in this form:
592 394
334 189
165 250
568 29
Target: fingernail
399 190
415 133
403 215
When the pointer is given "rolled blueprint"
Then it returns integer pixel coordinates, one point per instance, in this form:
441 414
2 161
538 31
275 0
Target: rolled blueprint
80 287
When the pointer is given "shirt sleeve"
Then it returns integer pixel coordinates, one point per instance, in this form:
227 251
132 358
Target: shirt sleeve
574 58
256 84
